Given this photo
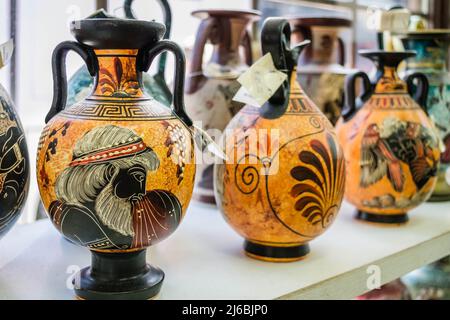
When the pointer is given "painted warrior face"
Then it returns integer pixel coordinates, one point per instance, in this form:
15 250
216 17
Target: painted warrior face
108 174
129 183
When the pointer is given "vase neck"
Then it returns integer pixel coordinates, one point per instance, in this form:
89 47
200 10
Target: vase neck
118 76
388 81
228 40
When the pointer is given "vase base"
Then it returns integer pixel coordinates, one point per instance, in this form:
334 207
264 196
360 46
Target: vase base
118 276
275 254
382 218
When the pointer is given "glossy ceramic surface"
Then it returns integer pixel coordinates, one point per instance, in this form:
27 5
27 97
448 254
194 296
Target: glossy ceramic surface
14 164
389 142
283 182
81 84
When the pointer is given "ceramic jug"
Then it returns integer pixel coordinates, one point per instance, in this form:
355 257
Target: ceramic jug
116 170
14 161
390 146
431 59
210 87
322 65
81 83
283 181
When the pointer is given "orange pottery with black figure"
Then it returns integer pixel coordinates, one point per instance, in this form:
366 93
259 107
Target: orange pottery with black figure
283 181
390 145
116 170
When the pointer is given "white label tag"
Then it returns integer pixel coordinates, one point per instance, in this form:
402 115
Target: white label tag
259 82
6 51
392 20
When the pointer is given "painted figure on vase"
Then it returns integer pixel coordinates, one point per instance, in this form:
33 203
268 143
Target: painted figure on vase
390 144
116 170
14 161
431 59
105 184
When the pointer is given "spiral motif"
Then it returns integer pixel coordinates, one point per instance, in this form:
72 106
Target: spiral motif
316 122
247 180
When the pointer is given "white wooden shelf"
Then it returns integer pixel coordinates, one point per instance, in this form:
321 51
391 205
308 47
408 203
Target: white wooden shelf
203 259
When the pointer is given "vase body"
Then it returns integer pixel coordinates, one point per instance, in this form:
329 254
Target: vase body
431 60
14 164
81 83
390 145
116 170
431 282
211 86
322 65
283 181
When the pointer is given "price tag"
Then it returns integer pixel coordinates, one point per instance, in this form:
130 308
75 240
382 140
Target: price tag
6 51
391 20
259 82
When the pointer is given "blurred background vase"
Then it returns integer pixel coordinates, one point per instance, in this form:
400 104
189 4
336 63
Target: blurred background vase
431 282
323 63
81 83
210 87
14 161
431 59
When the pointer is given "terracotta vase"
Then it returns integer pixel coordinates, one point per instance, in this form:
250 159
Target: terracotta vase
322 65
431 59
431 282
389 142
81 83
210 87
116 170
14 161
283 181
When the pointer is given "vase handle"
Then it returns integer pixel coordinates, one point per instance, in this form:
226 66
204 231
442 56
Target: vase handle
144 60
247 45
59 72
203 34
275 39
342 51
167 17
352 103
419 92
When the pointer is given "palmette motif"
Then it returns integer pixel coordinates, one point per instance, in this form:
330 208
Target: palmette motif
109 178
290 191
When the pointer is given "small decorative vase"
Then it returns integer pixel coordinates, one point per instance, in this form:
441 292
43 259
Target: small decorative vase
322 70
431 282
431 59
283 181
116 170
81 83
210 88
14 161
390 146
